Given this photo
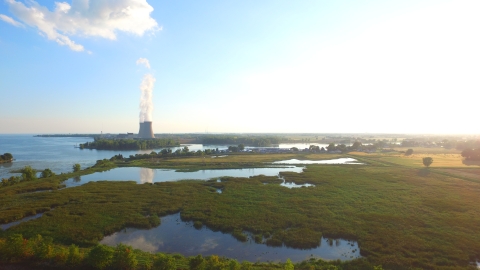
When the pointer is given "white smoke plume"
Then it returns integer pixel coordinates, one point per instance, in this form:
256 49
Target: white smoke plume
143 61
146 104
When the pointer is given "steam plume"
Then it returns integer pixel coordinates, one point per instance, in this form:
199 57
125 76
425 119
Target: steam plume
143 61
146 104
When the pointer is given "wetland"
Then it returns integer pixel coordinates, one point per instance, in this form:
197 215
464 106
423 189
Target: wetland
394 213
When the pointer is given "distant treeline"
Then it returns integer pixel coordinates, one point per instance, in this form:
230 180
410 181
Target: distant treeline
260 141
7 157
445 143
128 144
471 154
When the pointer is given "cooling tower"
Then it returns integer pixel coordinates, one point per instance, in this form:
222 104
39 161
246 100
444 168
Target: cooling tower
146 131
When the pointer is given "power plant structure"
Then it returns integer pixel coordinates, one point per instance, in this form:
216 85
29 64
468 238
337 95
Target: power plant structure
146 131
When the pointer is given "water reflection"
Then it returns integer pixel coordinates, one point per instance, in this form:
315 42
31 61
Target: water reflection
175 236
143 175
329 161
146 175
293 185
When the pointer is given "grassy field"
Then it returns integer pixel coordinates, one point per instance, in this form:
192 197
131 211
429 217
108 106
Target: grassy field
402 214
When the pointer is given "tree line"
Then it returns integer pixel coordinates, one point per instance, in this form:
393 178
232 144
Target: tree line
258 141
30 174
128 144
471 154
42 252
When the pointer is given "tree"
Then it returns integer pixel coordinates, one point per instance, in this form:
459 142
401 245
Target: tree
124 258
100 257
331 147
76 167
356 145
74 256
471 154
427 161
197 263
241 147
409 152
289 265
164 262
8 156
47 173
28 173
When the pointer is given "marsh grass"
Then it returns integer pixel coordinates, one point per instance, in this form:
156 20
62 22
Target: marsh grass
401 216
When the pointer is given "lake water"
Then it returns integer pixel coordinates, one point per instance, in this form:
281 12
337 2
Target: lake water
146 175
329 161
176 236
59 154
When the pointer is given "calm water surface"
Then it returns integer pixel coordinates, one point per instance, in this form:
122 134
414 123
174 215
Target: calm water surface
59 153
146 175
175 236
329 161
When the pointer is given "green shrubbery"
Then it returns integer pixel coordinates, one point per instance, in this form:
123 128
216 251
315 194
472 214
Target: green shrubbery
7 157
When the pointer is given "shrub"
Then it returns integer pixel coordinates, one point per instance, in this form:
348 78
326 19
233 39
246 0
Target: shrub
123 257
164 262
76 167
100 257
28 173
197 263
47 173
42 247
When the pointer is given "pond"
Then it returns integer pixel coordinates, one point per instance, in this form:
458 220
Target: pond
176 236
146 175
329 161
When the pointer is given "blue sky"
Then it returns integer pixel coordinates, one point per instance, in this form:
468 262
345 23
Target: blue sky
240 66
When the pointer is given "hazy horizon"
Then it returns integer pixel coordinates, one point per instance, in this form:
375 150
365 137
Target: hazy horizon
359 67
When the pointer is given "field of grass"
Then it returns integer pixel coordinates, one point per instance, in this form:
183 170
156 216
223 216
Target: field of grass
231 161
441 157
402 215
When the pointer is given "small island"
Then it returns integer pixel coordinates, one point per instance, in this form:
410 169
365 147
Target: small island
128 144
6 158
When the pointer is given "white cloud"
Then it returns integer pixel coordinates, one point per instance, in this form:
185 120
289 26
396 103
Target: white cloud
143 61
10 20
98 18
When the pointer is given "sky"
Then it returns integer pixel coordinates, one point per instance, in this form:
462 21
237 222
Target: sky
270 66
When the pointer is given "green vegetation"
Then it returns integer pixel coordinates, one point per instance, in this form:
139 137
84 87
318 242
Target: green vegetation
401 215
28 182
242 139
7 157
128 144
42 253
471 154
76 167
427 161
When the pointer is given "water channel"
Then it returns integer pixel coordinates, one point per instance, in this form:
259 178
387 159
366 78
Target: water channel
176 236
